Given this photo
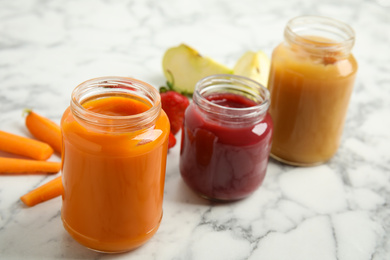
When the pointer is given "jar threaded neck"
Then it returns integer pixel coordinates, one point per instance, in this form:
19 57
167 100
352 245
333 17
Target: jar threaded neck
115 86
319 34
238 85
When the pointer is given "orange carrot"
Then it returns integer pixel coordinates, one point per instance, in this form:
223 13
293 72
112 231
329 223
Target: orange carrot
13 165
43 193
44 130
20 145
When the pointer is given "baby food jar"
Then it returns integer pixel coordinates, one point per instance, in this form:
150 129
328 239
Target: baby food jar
226 138
311 80
115 142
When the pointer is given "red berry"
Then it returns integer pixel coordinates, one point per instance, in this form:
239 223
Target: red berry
174 104
171 141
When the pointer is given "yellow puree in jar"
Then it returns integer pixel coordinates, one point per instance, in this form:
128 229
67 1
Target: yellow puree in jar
310 91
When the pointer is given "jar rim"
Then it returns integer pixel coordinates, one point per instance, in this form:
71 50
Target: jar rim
337 33
115 86
243 86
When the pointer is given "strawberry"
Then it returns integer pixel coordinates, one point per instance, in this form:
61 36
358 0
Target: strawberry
174 104
171 140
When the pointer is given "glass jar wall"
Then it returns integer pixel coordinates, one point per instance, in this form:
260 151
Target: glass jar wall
115 141
311 80
226 138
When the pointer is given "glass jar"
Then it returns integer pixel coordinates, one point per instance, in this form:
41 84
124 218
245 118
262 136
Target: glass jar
311 80
226 138
115 142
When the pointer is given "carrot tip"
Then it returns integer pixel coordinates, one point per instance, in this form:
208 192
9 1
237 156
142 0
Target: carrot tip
23 199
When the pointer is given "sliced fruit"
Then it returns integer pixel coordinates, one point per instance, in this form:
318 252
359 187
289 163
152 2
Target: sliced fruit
254 65
183 67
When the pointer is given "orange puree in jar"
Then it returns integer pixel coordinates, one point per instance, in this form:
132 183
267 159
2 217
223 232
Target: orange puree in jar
113 173
311 81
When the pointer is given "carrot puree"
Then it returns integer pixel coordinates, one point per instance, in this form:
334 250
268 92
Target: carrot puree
309 100
113 182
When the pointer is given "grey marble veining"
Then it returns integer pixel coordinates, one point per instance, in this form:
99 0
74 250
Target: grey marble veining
336 211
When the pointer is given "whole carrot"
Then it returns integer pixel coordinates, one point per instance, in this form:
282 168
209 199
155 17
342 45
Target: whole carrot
20 145
15 166
43 193
44 130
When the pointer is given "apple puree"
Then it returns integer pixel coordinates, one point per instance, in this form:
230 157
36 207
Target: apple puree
309 100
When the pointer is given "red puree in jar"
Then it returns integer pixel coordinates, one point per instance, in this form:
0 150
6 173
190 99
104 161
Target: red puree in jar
220 160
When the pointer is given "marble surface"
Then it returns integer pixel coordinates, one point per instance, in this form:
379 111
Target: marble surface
336 211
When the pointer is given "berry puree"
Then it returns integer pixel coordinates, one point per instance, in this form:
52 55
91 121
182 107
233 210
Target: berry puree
224 160
231 100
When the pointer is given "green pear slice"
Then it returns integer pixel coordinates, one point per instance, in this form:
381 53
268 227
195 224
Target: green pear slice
183 67
254 65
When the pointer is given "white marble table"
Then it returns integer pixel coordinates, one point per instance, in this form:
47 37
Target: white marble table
337 211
